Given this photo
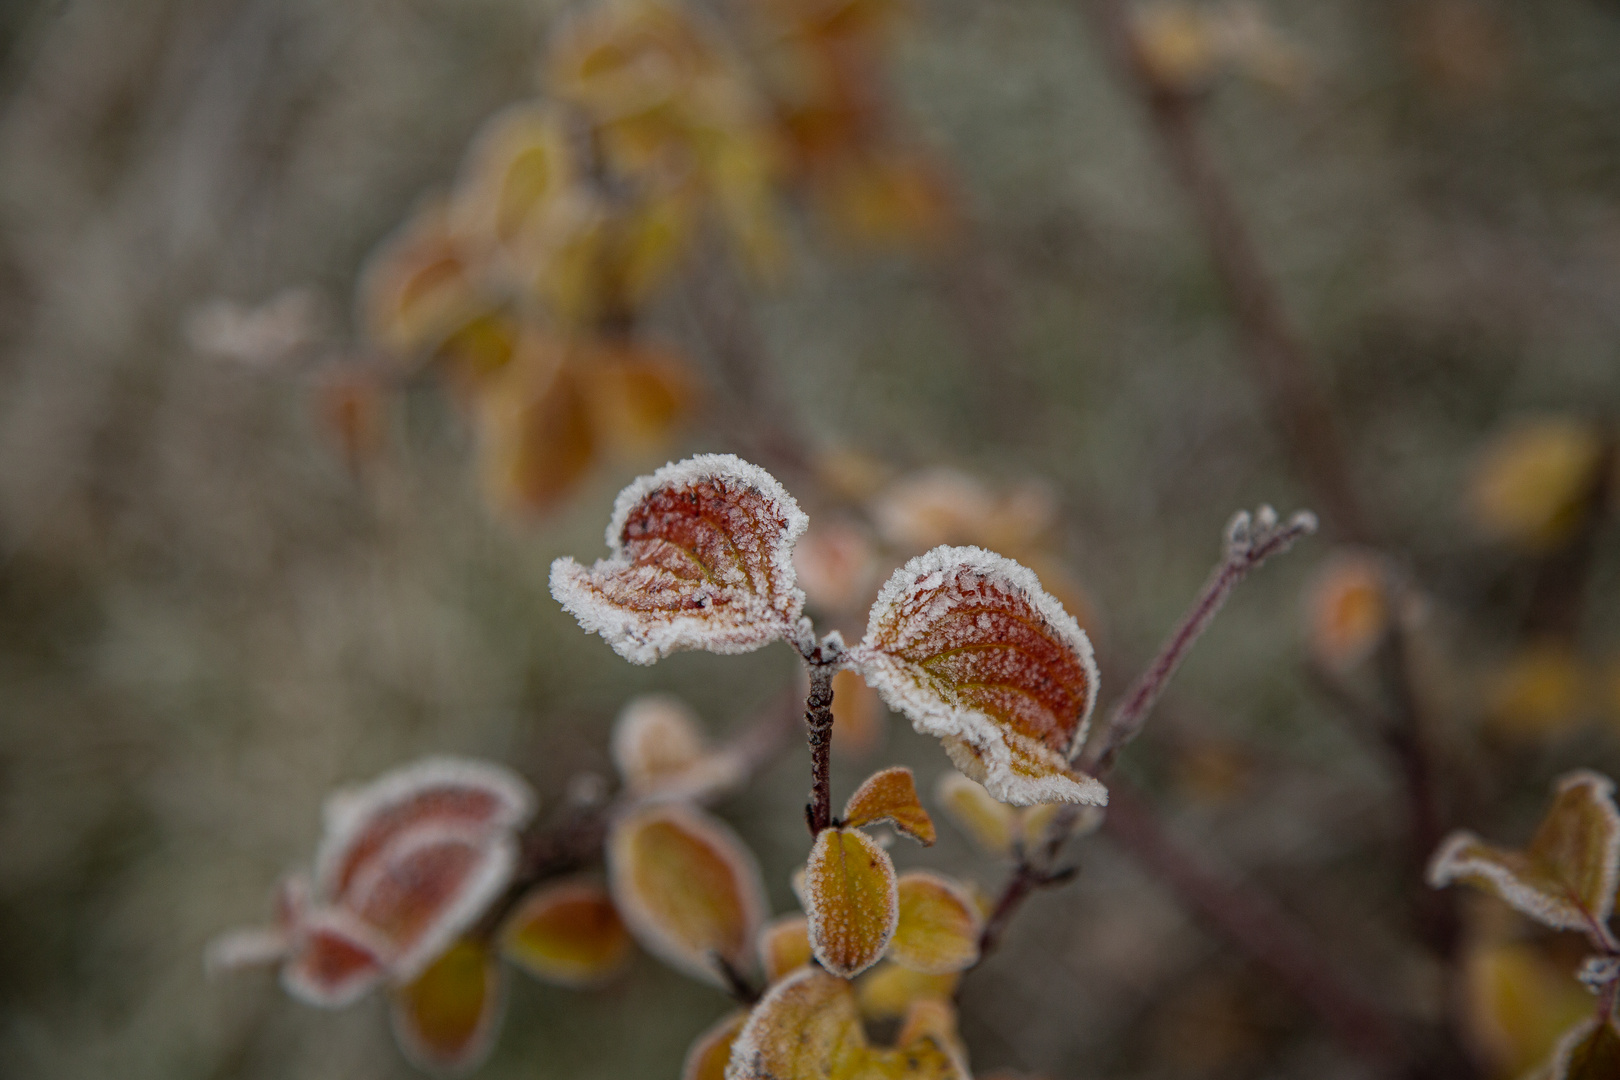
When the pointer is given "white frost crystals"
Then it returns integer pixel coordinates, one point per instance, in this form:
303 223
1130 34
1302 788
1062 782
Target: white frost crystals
701 557
972 650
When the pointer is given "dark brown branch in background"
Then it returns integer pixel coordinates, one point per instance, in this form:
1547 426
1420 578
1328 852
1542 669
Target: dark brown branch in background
1279 360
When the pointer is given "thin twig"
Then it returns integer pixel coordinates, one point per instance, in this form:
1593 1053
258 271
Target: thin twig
1279 360
822 664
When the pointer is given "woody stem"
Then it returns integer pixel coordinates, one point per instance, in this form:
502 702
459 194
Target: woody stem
818 725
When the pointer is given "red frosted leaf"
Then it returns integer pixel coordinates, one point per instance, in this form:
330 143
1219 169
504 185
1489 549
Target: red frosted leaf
445 1018
968 645
336 960
701 559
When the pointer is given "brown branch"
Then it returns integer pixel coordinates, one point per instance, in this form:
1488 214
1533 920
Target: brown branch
1279 361
822 663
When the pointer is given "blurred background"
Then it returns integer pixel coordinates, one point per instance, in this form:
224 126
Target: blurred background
232 576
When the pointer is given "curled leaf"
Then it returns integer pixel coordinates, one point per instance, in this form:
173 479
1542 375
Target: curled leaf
890 795
335 960
968 645
939 925
784 946
701 559
419 286
807 1027
888 991
445 1019
687 887
849 887
567 933
710 1052
1566 877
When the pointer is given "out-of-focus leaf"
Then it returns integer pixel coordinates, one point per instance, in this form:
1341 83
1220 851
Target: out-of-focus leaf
887 991
1567 875
353 408
419 286
1347 609
988 822
445 1019
836 563
968 645
859 716
1590 1052
567 933
784 946
535 435
939 925
807 1027
933 1019
656 739
1530 485
701 559
336 960
890 795
849 887
519 163
1518 1003
636 394
710 1052
687 887
1541 690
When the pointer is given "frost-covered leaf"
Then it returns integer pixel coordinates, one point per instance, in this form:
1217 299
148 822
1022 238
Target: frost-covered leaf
784 946
701 559
687 887
660 750
988 822
710 1052
445 1019
849 887
887 991
890 795
336 960
567 933
471 798
807 1027
1591 1051
1567 875
968 645
939 926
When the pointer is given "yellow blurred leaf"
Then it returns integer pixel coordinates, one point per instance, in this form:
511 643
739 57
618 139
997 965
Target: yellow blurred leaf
1590 1052
933 1019
784 946
939 925
807 1027
535 437
445 1019
1541 690
1175 43
851 901
687 887
989 823
1518 1003
968 645
1566 877
519 163
1532 485
890 795
887 991
567 933
710 1052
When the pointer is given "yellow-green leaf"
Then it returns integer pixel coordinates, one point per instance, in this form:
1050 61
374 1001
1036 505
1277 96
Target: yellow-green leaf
784 946
445 1018
939 926
890 795
567 933
1567 875
988 822
1591 1051
687 887
807 1027
850 895
710 1052
888 990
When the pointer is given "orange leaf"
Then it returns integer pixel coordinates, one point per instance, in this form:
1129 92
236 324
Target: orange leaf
535 436
567 933
1347 609
887 991
970 647
939 925
890 795
636 395
784 946
850 892
1566 877
711 1051
337 960
687 887
445 1019
701 559
418 286
807 1027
